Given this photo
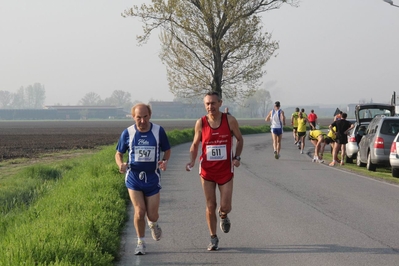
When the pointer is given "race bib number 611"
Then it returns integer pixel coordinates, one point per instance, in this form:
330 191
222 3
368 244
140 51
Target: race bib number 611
216 152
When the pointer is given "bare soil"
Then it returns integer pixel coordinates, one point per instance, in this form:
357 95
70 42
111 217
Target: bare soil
31 139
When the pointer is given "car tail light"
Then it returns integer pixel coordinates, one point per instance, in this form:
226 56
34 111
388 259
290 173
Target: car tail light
379 143
351 139
393 147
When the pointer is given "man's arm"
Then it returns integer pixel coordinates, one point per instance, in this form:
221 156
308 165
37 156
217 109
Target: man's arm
166 155
239 139
351 126
268 116
119 161
331 127
195 145
164 162
283 117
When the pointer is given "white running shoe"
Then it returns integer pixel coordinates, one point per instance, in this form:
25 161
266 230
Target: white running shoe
140 248
156 231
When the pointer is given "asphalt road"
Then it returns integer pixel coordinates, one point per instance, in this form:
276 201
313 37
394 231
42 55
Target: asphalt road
285 212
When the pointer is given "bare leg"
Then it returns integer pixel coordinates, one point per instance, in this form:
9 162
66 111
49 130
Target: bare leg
335 154
343 150
226 194
302 143
138 201
275 141
279 137
152 203
210 198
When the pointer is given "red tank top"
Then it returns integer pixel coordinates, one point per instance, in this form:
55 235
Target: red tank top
216 158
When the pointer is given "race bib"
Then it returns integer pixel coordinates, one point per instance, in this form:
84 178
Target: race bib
144 154
216 152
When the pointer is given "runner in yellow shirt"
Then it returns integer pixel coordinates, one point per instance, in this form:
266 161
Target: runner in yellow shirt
294 123
319 140
301 131
332 137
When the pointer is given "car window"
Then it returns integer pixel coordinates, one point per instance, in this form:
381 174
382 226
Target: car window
361 130
373 127
390 127
371 113
370 128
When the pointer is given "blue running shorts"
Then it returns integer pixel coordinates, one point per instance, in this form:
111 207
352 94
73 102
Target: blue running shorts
147 182
277 131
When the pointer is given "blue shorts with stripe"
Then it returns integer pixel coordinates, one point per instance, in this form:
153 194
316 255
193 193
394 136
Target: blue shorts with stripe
147 182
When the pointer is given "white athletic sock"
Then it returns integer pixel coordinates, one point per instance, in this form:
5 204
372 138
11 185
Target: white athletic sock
152 223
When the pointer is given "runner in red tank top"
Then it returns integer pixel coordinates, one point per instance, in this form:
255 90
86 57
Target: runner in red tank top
216 131
216 158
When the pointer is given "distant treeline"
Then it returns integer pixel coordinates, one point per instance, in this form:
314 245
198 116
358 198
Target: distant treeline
53 114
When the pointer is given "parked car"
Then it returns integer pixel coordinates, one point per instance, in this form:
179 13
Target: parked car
351 151
394 156
375 145
364 113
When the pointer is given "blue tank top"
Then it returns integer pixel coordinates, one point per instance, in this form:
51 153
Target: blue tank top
144 147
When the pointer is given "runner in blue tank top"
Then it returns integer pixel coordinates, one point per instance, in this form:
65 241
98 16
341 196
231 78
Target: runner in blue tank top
277 118
144 142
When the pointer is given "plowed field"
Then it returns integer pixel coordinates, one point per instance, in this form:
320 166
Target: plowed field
29 139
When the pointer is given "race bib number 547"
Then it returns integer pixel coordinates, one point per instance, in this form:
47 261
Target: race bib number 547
144 154
216 152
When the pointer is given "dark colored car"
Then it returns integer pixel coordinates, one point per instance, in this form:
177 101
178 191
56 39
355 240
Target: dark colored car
375 145
364 113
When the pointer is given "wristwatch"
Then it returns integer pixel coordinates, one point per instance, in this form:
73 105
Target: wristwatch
238 158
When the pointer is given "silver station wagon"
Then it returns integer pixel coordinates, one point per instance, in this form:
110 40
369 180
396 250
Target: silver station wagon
375 145
364 113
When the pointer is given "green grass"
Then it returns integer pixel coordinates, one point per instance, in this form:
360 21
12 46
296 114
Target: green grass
180 136
72 212
382 173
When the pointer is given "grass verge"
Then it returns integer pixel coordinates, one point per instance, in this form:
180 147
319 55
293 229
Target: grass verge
382 173
71 213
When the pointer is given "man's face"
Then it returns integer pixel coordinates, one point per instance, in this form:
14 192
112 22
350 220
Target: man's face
142 118
212 104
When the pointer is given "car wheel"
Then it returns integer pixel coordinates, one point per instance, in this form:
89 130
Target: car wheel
395 172
348 160
358 162
370 166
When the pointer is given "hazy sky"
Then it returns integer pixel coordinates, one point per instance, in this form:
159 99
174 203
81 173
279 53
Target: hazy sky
331 51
